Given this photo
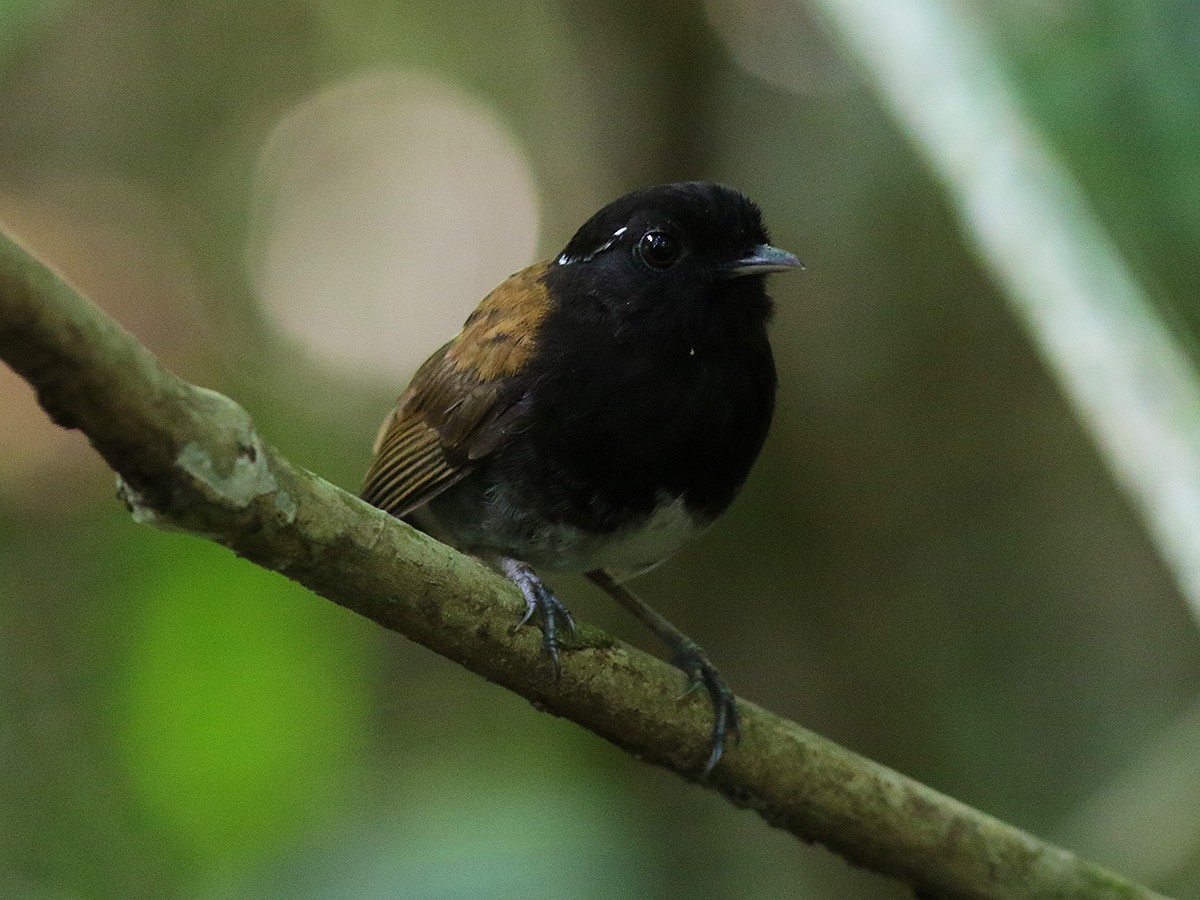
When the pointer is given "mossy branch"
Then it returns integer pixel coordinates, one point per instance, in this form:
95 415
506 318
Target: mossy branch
192 459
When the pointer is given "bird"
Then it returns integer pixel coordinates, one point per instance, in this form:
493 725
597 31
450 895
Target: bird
598 411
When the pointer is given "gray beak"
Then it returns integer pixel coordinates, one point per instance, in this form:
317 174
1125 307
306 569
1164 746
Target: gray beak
763 260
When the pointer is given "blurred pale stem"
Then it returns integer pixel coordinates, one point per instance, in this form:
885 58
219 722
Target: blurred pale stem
1133 386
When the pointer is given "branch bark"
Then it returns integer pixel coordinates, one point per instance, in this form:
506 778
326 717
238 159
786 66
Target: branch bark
191 458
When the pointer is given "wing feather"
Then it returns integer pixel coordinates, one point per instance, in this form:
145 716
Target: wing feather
461 402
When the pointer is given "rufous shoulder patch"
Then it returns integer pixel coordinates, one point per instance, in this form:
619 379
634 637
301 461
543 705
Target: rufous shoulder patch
452 413
500 336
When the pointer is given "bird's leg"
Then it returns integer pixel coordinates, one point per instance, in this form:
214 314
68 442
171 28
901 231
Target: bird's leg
540 599
686 655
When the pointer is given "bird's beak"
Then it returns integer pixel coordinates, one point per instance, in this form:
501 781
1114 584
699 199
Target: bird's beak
763 260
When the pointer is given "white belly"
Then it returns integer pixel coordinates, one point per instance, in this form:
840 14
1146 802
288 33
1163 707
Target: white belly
624 553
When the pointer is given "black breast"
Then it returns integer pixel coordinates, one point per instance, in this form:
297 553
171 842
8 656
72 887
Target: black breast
614 426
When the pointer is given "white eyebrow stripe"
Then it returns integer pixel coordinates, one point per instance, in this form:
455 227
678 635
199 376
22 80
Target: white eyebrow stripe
564 260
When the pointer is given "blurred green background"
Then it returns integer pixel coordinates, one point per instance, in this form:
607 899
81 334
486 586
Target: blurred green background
294 202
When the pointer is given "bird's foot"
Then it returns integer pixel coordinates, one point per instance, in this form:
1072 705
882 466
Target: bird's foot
701 673
554 615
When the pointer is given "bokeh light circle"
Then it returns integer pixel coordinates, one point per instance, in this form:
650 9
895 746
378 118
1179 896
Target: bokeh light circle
384 209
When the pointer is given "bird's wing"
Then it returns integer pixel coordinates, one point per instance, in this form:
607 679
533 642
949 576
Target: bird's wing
461 402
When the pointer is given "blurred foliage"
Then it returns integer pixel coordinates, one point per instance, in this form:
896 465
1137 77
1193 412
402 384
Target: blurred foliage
930 564
1118 91
264 744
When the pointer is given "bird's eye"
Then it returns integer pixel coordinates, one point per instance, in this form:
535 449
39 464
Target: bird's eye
659 249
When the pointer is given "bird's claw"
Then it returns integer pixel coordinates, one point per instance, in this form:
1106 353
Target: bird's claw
554 615
726 720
